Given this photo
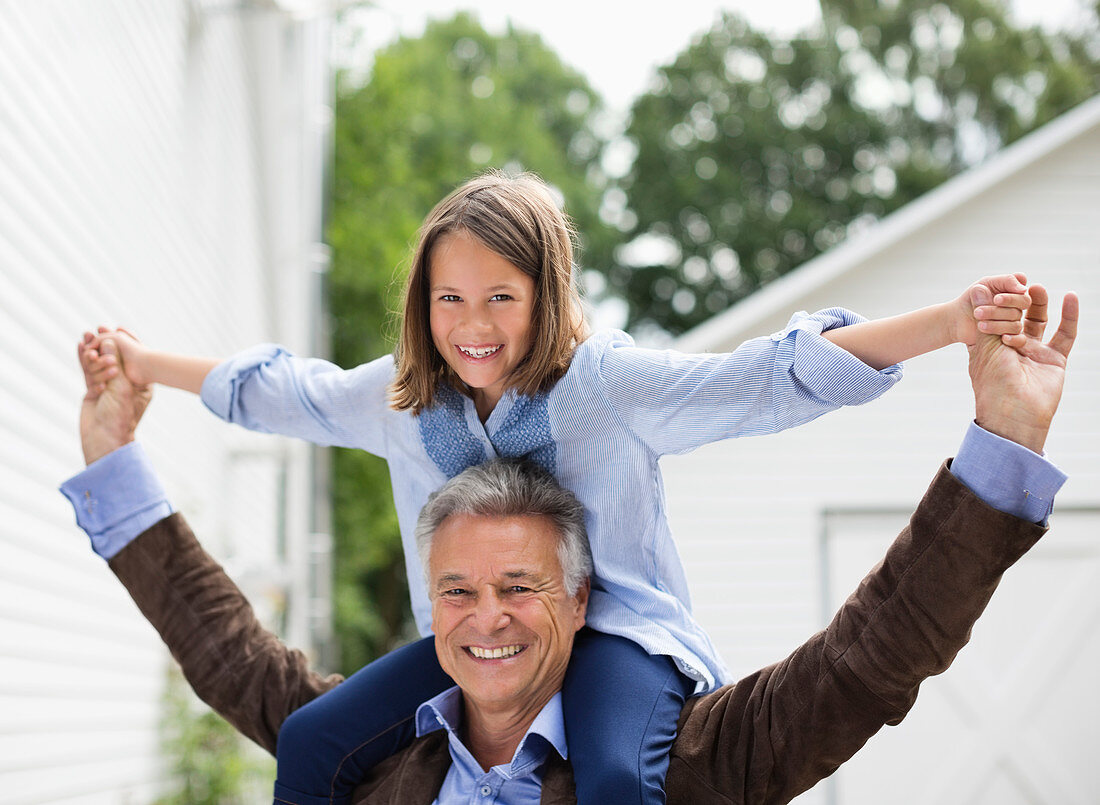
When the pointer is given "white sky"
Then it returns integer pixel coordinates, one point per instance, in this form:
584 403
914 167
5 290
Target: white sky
618 50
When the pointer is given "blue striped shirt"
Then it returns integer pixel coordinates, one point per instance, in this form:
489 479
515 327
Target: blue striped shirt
601 431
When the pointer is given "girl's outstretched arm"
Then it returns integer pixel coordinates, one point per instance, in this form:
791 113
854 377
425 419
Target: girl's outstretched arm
884 342
141 364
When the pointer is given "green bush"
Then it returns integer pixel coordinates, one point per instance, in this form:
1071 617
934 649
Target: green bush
210 762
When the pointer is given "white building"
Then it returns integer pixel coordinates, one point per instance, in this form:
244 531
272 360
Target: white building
776 531
161 167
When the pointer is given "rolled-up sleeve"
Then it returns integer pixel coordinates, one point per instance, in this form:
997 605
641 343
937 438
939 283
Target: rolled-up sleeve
828 372
268 389
221 388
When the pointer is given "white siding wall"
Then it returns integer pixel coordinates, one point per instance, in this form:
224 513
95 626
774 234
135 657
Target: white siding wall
750 515
134 190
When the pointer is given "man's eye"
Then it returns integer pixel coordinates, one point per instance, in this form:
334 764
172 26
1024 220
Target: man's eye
456 592
516 588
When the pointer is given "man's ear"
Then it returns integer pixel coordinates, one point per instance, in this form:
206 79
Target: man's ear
582 603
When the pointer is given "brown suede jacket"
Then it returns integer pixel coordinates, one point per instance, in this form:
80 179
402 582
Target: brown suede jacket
764 739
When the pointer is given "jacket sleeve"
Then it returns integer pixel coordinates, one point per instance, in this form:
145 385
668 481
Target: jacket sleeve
240 669
268 389
776 733
676 402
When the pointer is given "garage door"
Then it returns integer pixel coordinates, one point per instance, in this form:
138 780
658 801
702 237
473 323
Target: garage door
1014 720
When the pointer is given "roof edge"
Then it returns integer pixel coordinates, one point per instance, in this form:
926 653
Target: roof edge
901 223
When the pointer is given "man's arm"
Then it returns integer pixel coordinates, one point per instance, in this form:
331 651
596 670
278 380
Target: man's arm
776 733
233 663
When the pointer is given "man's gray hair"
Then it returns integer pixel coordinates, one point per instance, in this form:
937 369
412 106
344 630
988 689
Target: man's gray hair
508 487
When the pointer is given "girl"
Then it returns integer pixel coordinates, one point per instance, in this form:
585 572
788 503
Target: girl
494 359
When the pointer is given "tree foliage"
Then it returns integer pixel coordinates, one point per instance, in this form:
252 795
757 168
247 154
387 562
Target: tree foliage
754 154
434 111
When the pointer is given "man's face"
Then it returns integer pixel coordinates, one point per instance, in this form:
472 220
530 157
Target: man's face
503 621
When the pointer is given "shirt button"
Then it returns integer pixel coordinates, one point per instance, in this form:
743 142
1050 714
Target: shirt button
486 791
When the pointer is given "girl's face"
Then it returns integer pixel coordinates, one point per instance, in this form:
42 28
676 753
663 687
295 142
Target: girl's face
480 307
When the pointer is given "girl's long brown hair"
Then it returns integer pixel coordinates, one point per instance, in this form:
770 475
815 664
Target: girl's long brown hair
516 217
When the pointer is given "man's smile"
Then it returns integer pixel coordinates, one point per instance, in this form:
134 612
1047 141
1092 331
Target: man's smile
498 653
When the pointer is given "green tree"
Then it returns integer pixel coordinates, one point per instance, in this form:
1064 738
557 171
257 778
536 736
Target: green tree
754 153
434 111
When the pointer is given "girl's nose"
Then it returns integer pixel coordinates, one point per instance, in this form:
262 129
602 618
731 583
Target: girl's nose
477 317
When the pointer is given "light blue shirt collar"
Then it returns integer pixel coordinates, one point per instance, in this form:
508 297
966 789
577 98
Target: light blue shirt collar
517 783
445 712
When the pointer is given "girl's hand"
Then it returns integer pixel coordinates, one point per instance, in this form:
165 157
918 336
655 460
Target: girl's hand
100 368
1000 312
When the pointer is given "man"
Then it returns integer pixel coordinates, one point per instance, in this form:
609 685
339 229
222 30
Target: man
508 598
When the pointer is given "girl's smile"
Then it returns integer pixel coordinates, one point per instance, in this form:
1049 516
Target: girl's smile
481 308
475 353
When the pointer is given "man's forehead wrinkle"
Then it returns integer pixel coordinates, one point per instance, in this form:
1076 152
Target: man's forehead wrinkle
522 574
511 575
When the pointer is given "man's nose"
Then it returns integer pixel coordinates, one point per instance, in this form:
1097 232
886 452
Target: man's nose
491 613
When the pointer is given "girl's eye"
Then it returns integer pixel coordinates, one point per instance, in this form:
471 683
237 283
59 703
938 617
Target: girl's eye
448 297
500 297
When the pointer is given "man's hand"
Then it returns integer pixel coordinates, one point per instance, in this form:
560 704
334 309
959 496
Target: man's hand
130 355
999 314
111 410
1018 379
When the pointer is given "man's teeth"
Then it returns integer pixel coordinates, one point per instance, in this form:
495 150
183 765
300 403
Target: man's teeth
495 653
480 352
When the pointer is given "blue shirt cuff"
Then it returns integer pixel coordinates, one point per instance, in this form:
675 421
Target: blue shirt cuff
1007 476
117 498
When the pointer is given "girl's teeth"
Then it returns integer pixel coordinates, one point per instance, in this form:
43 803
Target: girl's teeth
479 353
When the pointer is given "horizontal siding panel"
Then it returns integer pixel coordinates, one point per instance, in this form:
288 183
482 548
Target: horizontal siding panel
133 192
25 717
134 775
75 648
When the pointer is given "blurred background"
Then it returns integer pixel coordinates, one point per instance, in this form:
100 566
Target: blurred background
217 173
